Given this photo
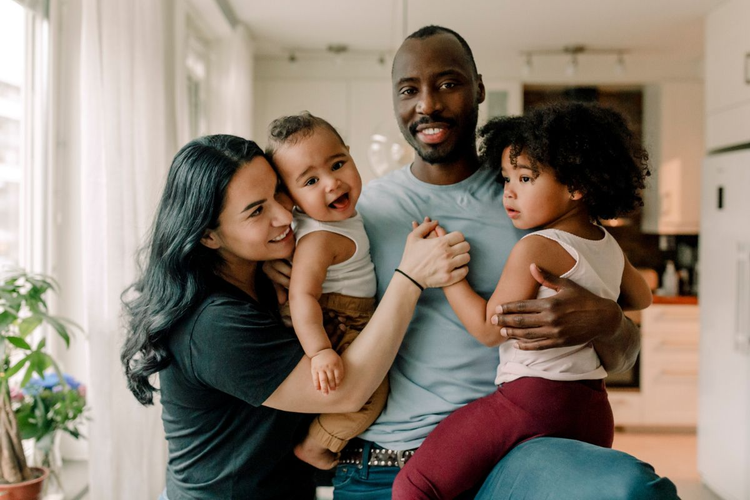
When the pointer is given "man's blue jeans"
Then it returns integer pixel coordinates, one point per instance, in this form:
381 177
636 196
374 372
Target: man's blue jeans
539 469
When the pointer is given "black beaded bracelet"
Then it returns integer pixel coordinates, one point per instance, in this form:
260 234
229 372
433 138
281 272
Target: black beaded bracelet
410 279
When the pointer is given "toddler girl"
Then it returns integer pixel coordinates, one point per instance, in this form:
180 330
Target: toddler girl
565 168
332 289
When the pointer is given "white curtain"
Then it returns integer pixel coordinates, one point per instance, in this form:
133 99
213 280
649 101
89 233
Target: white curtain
231 86
127 139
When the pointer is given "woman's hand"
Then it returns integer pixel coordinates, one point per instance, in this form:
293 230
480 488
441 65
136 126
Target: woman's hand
327 370
279 272
435 261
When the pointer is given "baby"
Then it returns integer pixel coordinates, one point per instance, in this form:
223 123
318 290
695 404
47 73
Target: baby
331 295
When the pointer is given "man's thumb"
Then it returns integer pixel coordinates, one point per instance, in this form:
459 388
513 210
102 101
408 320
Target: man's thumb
545 278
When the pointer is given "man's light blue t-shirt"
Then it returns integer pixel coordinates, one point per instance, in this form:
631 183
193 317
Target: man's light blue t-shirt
439 367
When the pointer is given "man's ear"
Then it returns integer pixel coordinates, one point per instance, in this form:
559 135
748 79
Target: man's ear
480 86
576 195
210 239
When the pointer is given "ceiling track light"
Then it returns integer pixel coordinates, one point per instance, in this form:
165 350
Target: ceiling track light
339 51
573 52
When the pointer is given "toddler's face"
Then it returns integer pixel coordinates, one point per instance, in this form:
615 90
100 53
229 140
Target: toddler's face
320 175
532 195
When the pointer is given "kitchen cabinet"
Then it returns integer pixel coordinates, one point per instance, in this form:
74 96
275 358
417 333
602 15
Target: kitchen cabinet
673 122
727 65
668 395
669 364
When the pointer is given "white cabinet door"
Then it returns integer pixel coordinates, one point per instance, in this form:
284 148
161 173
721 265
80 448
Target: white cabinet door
673 134
727 64
724 387
669 365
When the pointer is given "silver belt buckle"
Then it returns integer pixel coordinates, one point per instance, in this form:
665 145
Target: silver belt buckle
400 458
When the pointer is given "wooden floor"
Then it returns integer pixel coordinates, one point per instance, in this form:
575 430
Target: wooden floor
672 455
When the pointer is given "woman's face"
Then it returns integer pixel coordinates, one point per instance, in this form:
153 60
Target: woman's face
255 224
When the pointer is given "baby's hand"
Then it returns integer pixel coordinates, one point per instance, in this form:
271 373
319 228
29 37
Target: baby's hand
327 370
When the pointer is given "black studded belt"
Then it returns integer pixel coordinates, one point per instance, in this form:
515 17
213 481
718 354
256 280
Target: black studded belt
379 457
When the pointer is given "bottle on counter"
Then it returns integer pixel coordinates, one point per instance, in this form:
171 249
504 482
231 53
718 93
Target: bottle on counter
670 280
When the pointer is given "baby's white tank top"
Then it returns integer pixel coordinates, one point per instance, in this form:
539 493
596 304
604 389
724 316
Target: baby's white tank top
598 268
355 276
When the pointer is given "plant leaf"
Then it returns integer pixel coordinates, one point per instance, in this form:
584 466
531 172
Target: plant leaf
59 328
17 367
29 324
18 342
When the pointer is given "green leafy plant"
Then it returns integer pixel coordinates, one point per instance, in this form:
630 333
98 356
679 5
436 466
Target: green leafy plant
23 310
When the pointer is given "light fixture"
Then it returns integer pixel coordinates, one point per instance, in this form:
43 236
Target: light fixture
620 64
338 52
573 53
527 66
572 67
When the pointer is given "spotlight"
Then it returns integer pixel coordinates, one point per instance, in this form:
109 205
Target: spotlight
527 66
572 67
620 64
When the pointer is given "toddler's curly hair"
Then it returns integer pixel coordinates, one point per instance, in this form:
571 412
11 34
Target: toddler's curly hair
589 148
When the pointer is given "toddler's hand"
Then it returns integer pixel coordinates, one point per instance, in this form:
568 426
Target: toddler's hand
438 231
327 370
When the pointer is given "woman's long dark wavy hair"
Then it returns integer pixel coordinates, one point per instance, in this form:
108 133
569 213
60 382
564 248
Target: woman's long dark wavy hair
175 266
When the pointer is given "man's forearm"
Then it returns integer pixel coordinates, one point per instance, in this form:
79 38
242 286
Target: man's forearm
619 350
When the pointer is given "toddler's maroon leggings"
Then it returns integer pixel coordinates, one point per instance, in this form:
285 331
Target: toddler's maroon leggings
465 447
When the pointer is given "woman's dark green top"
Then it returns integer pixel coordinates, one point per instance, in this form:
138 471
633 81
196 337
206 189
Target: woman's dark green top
228 356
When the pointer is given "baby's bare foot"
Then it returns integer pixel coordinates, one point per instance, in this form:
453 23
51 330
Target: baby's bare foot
313 453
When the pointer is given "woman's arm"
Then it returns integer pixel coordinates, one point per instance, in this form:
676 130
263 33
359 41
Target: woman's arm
516 283
634 291
432 263
314 254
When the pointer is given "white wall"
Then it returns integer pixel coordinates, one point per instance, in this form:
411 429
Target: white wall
354 94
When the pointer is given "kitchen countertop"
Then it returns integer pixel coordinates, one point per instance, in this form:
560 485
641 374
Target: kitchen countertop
679 300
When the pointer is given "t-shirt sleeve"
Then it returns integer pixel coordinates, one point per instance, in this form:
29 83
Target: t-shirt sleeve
241 350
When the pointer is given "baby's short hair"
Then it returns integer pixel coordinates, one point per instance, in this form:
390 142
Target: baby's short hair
288 130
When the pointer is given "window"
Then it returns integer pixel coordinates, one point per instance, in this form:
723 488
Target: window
196 65
23 81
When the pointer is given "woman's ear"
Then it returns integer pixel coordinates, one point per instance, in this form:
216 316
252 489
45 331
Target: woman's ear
576 195
210 239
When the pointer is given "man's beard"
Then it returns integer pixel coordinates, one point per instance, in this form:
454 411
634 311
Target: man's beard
443 154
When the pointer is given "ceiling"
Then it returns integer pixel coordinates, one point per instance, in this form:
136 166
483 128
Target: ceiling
493 28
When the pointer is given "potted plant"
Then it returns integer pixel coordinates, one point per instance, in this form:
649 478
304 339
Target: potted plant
23 310
44 407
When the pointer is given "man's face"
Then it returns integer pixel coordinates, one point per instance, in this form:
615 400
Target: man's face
436 97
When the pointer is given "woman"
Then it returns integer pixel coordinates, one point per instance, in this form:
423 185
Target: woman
234 382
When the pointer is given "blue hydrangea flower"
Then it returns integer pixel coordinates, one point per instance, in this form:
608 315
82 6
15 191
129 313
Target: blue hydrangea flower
50 381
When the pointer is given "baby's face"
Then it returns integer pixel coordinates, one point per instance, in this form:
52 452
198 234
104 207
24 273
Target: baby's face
320 175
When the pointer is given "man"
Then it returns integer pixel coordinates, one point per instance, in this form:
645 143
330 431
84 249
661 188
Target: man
439 368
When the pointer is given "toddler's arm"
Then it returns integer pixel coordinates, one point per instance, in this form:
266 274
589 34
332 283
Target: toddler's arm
516 283
314 254
634 291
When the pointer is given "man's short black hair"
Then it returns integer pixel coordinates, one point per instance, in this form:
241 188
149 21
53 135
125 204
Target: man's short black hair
432 30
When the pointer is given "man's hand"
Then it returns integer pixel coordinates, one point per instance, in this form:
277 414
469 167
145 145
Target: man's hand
571 317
